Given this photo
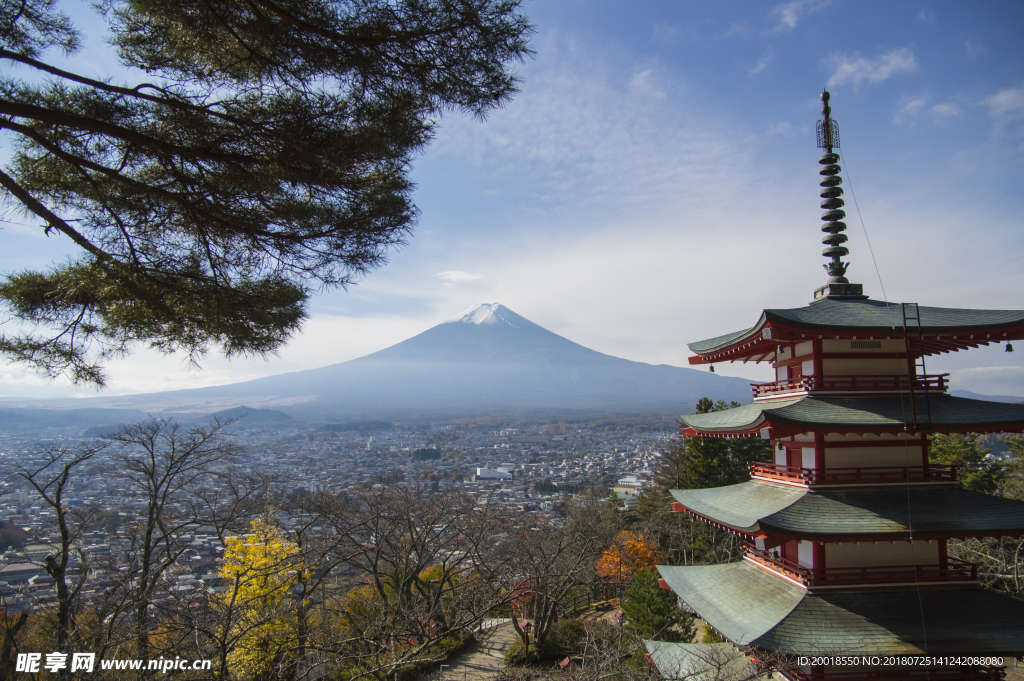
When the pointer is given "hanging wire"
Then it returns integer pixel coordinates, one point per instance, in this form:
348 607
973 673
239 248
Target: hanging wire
906 451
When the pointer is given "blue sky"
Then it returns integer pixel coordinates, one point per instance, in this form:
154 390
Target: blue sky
655 183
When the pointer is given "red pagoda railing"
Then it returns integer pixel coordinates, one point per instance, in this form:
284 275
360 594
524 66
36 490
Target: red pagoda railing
951 571
864 475
923 383
778 564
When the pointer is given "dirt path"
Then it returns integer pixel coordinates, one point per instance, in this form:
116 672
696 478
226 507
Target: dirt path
483 659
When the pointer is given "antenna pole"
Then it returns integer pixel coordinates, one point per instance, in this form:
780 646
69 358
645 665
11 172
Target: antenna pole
838 286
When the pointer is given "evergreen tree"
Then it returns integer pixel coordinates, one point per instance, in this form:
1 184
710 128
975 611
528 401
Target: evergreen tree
262 153
707 463
653 613
1013 485
965 451
701 462
742 451
698 463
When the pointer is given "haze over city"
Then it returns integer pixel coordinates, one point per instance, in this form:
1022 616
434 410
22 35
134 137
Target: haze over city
654 183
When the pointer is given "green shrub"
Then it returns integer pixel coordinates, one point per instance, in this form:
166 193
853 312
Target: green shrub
567 634
652 612
712 636
445 648
562 641
545 651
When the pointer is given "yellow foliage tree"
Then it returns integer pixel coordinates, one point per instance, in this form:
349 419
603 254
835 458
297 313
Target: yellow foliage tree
263 569
630 553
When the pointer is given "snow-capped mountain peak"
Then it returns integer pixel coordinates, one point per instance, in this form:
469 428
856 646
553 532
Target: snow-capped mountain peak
487 357
484 313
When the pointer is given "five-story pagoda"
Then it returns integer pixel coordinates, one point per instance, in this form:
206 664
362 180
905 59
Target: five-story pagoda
848 527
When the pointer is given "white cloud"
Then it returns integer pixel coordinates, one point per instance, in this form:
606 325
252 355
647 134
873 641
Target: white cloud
909 109
450 277
947 110
912 109
790 13
593 135
738 29
16 381
784 129
856 69
762 64
975 50
665 34
1007 102
1007 108
926 16
325 340
646 82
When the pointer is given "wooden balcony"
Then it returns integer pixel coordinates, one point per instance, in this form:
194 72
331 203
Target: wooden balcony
877 575
926 383
842 477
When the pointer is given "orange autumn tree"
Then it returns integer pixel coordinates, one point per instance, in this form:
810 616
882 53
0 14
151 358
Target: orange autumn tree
630 553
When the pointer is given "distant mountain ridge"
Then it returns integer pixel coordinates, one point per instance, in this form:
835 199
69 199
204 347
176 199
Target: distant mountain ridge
13 417
490 356
485 357
989 398
249 416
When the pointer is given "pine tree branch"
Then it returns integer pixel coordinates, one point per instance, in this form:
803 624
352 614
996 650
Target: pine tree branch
32 204
87 124
107 87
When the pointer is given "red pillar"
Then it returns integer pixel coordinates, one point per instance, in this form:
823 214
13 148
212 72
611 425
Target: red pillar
819 452
819 367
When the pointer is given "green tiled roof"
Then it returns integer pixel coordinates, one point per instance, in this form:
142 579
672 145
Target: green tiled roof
697 661
888 513
752 607
701 347
879 315
868 315
739 506
738 418
948 621
858 413
724 596
909 512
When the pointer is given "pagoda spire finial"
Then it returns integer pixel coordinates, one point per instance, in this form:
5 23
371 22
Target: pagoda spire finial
838 285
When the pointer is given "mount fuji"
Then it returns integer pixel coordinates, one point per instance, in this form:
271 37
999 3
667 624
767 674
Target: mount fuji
485 358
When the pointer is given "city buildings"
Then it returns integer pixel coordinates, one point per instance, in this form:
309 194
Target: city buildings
542 470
